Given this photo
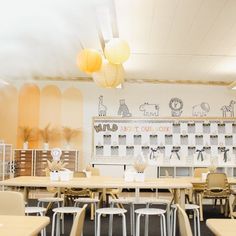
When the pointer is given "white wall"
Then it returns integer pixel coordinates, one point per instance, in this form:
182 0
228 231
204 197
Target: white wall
136 94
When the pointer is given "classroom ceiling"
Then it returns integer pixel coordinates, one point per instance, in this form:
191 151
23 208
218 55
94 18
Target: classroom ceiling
170 40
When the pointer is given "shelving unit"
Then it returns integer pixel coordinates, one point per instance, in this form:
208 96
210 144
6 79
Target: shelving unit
6 162
23 160
34 161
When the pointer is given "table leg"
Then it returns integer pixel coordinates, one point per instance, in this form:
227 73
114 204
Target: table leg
182 198
26 194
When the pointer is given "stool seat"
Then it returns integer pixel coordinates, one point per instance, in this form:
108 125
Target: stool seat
86 200
150 211
34 210
122 200
67 210
188 206
50 199
111 211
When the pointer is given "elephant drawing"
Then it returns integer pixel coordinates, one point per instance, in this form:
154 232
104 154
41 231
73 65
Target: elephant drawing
149 109
201 109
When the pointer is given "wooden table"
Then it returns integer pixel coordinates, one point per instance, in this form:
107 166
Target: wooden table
103 183
222 227
22 225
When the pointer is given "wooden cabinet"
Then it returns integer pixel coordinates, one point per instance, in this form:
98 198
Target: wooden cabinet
23 162
34 162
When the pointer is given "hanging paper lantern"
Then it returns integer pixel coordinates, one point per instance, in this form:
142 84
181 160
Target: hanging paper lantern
110 75
89 60
117 51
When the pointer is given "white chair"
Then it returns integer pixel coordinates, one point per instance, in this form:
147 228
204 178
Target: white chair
111 211
150 212
86 200
196 218
50 200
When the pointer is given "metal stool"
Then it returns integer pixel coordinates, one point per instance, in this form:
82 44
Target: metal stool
62 210
196 218
111 211
39 211
149 212
125 201
49 200
89 201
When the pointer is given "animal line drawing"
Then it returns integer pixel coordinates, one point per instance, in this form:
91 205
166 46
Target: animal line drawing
176 106
123 109
102 109
201 109
228 109
149 109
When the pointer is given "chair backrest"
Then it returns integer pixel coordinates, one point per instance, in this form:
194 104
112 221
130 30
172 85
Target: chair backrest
78 224
12 203
80 174
217 180
94 171
184 225
199 171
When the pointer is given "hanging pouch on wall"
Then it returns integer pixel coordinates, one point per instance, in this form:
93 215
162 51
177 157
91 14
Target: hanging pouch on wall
175 156
176 128
214 139
221 128
199 139
145 150
137 139
156 155
122 139
130 151
107 139
168 139
191 128
99 150
153 139
225 156
206 127
228 140
114 150
184 139
234 128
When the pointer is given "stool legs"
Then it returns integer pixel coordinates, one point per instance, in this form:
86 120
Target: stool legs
110 224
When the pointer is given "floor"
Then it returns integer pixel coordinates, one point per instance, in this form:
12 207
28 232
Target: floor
154 227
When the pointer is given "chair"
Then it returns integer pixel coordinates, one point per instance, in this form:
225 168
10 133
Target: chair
198 189
78 224
184 224
71 194
196 218
217 187
12 203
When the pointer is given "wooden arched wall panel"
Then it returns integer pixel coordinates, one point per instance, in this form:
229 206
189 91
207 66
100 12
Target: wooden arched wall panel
72 115
50 111
8 114
28 110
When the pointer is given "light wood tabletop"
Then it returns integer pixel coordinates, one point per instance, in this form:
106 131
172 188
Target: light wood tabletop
222 227
102 182
22 225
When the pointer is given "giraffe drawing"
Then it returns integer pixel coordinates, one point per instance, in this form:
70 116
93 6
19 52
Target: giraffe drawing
102 109
228 109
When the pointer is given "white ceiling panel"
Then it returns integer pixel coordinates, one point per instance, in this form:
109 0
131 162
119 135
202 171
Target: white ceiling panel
169 39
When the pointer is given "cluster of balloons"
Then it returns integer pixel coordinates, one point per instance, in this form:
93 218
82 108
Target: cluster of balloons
110 73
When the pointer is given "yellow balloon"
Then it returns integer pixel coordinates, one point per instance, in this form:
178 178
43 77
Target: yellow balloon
110 75
117 51
89 60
